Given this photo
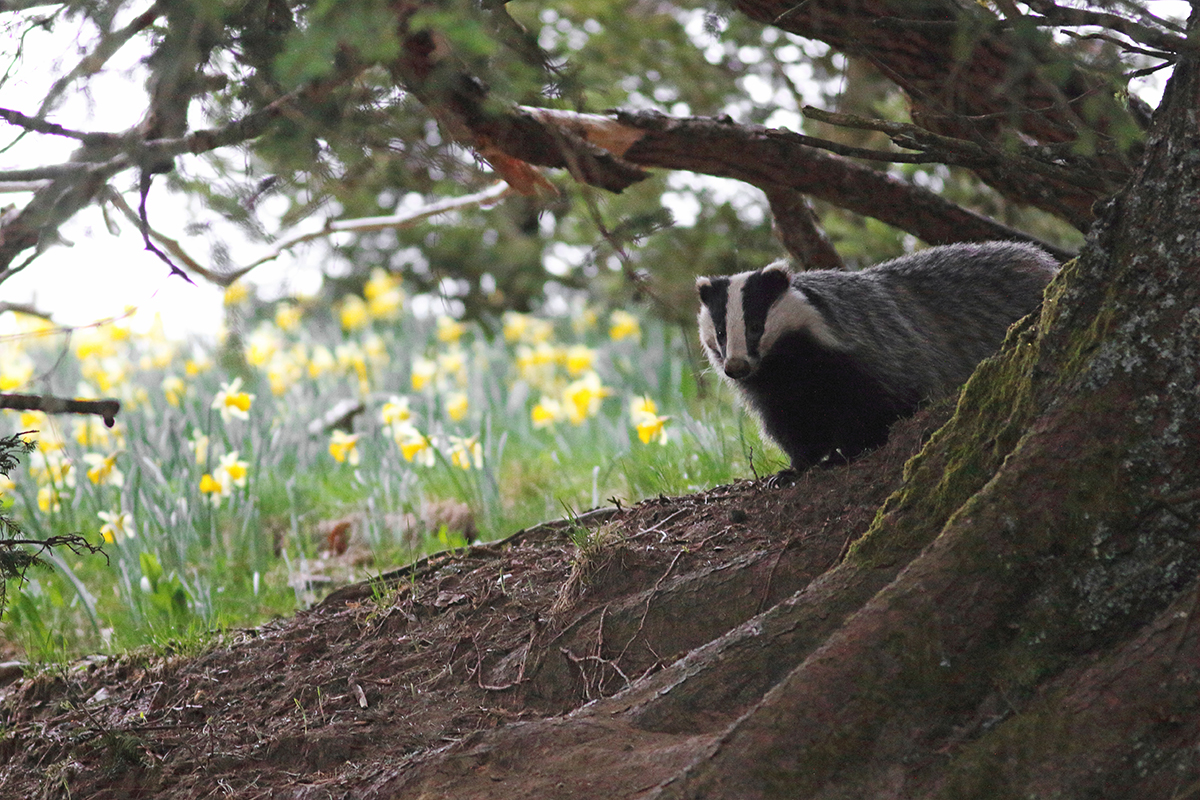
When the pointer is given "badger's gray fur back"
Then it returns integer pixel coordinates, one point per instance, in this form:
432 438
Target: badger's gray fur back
829 359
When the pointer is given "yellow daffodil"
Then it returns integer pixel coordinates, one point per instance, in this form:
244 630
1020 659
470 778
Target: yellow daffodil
262 345
50 441
54 470
213 488
354 313
375 349
236 293
579 359
48 500
457 406
547 412
160 351
649 425
449 330
380 283
16 369
7 487
452 365
515 325
103 469
34 421
231 401
641 407
536 365
320 362
116 526
623 325
466 453
395 410
526 328
423 371
344 447
582 398
284 372
92 343
414 445
194 366
174 388
198 444
231 471
349 356
33 326
385 300
288 317
106 373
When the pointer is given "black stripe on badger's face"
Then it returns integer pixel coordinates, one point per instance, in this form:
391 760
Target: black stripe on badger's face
714 293
759 291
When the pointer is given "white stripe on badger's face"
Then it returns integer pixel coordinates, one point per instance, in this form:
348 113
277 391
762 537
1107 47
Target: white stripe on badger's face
735 322
793 312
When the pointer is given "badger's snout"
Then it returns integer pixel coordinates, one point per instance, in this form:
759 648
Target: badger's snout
737 367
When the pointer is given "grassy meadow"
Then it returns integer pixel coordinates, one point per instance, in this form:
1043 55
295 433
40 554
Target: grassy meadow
214 493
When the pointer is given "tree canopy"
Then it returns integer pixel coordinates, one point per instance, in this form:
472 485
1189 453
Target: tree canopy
944 120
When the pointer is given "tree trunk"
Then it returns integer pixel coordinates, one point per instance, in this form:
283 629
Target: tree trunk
1018 620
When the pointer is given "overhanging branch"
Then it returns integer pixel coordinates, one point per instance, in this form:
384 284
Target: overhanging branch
772 160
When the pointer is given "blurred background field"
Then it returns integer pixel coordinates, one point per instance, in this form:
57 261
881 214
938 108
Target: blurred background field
312 444
538 359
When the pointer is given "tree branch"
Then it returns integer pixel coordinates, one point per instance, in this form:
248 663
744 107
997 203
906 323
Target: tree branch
106 48
797 228
40 125
988 83
771 160
77 183
106 409
487 197
1060 16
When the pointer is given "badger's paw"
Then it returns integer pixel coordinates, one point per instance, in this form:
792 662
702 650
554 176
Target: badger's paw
783 478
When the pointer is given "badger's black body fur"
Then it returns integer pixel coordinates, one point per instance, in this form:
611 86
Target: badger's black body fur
829 360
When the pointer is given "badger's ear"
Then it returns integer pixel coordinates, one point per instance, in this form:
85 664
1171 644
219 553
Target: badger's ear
779 266
703 288
776 278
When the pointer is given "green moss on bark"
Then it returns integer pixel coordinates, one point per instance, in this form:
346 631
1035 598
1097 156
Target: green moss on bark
993 413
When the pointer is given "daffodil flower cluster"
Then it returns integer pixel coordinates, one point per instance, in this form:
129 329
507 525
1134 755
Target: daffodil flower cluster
420 450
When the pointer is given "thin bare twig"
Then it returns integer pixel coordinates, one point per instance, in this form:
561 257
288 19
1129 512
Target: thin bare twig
105 48
107 408
485 198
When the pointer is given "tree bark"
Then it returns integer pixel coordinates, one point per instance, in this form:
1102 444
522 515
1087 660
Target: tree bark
970 76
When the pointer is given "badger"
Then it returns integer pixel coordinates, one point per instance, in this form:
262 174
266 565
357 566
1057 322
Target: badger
828 360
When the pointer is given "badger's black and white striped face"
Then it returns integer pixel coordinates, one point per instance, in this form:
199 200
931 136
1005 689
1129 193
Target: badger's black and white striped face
743 316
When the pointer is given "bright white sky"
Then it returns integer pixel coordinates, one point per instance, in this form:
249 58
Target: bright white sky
101 273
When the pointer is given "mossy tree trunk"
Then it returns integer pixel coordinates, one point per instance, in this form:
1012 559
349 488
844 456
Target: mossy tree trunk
1019 619
1041 642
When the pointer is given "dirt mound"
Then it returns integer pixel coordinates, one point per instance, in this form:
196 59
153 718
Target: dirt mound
344 698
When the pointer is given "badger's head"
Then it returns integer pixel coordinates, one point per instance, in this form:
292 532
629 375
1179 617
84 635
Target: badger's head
743 316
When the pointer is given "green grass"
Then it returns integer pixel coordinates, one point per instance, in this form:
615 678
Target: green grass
188 567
